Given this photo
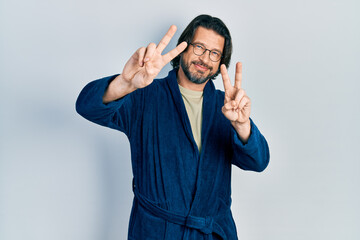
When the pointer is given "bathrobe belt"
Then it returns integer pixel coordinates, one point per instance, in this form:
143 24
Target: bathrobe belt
205 225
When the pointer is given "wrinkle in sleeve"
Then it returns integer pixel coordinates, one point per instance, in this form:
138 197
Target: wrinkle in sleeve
253 155
116 114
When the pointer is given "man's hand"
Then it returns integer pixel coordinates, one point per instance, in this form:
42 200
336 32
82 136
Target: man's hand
146 63
143 66
237 104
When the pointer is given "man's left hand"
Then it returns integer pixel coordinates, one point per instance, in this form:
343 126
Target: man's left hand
237 104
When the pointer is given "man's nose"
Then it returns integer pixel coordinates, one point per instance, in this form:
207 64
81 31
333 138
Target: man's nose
206 56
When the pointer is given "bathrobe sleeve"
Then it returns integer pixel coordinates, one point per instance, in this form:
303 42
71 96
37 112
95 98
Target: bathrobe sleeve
254 155
117 114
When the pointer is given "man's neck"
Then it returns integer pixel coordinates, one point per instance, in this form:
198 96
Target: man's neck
186 83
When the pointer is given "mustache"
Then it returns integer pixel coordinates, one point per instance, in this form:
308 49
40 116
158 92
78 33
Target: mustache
201 63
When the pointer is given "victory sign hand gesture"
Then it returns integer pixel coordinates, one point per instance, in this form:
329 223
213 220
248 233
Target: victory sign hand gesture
237 104
142 67
146 63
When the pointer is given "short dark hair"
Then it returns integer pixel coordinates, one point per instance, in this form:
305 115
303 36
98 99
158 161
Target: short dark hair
207 22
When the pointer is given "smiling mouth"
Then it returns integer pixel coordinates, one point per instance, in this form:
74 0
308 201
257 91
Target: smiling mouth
200 67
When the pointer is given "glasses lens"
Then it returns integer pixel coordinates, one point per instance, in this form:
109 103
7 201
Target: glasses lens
215 56
198 49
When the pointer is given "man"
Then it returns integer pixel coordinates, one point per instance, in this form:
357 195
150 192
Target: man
184 134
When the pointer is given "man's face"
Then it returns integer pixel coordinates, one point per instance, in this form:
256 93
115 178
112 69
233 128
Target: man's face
199 69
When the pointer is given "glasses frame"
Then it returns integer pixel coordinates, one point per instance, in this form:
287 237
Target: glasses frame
205 49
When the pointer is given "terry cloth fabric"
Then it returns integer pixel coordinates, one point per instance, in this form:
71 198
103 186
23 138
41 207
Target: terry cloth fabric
169 172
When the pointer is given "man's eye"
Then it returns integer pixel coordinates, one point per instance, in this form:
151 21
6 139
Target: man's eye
216 54
199 47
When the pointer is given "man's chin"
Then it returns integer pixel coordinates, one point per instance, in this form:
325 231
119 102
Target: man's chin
198 80
199 74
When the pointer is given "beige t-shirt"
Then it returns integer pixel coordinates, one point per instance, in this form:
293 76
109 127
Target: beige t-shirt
193 101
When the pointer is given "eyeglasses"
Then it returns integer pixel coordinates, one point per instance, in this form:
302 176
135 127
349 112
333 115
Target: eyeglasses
200 49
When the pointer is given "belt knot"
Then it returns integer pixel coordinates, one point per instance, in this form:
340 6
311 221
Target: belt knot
205 225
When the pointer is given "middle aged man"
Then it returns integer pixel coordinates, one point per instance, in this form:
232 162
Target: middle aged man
184 134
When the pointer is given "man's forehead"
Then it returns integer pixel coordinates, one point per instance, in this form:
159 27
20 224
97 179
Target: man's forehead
209 38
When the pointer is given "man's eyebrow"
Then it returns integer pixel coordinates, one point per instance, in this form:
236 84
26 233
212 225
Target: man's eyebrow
214 49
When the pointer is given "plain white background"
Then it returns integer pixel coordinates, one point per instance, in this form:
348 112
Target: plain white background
62 177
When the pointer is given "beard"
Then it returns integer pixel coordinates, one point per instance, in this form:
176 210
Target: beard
196 77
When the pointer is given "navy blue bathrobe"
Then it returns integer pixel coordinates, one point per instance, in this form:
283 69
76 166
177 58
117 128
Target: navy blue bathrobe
178 193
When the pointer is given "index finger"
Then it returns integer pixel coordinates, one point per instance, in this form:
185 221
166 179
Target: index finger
225 77
238 75
173 53
166 39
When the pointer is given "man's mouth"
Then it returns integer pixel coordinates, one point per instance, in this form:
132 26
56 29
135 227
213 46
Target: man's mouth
200 66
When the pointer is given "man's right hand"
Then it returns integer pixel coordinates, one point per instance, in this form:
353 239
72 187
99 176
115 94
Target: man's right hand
142 68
